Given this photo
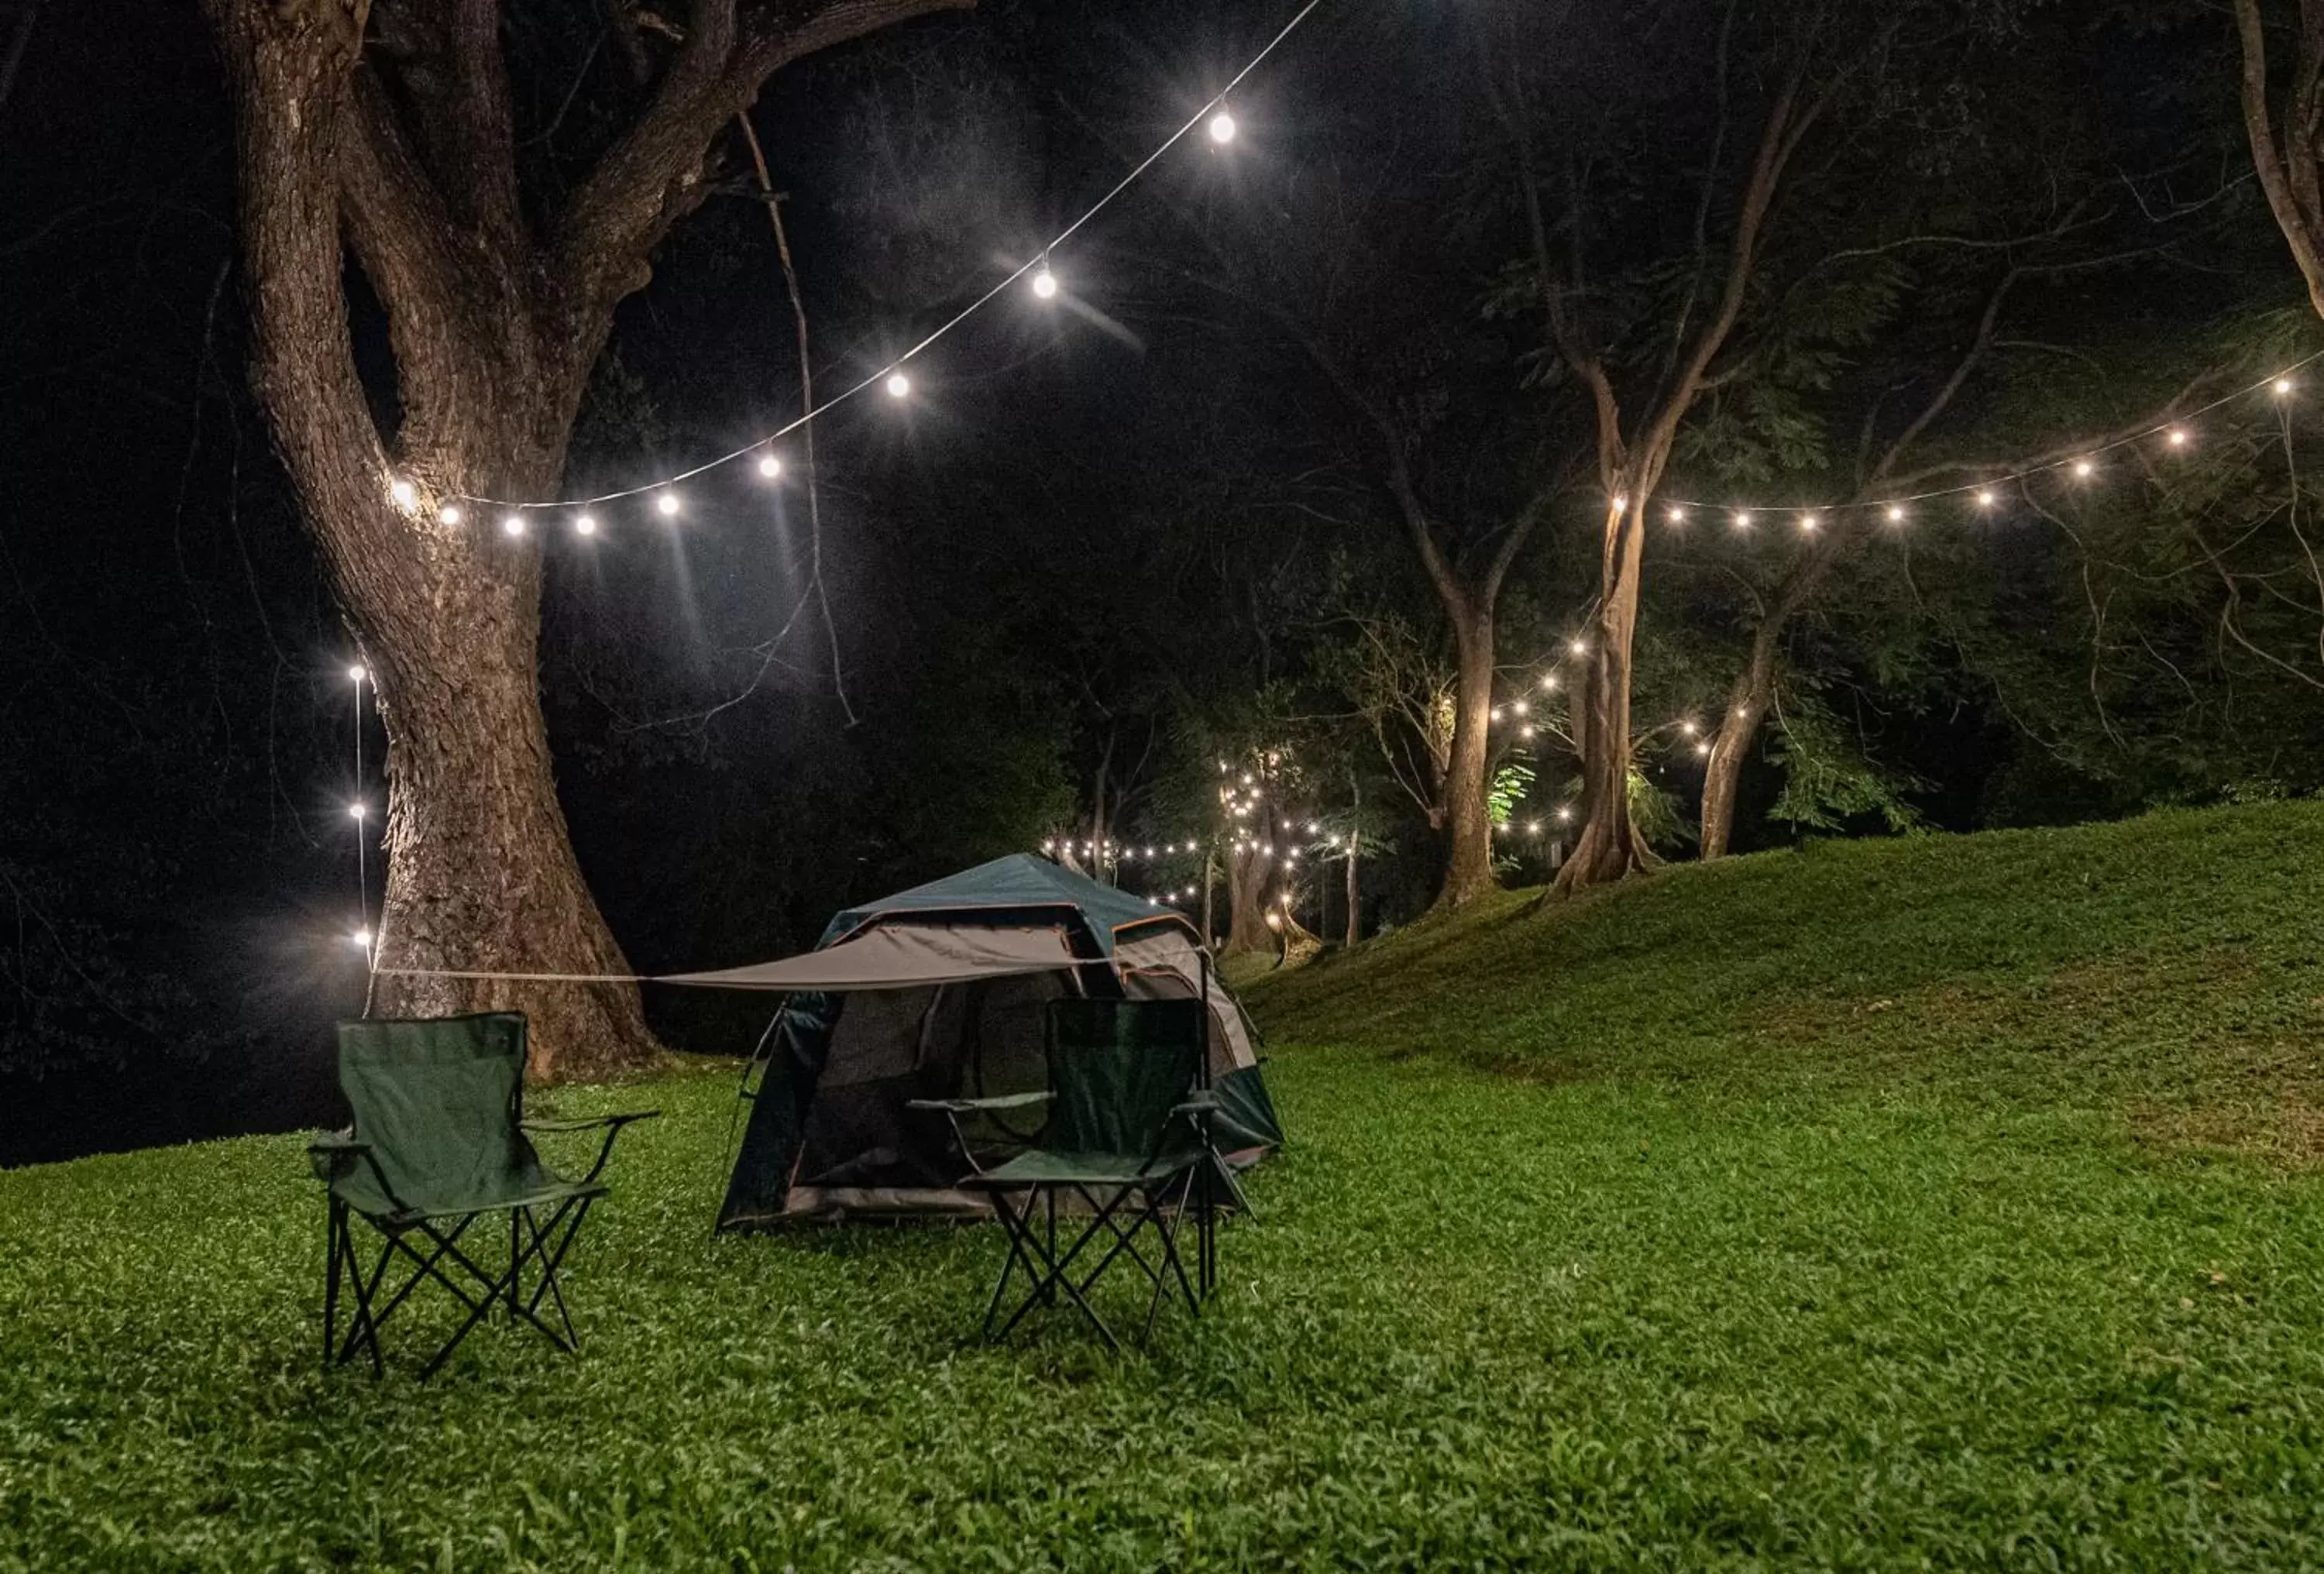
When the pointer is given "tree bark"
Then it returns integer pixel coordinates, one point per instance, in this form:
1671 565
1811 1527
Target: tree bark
2287 170
1469 857
494 337
1730 742
1609 845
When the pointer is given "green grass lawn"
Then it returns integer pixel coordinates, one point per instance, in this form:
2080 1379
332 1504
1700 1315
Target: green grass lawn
1942 1203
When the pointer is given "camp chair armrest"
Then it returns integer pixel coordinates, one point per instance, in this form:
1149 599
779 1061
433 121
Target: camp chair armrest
1200 1104
610 1124
973 1106
334 1153
590 1122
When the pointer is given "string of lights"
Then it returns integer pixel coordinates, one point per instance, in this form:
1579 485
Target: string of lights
1219 124
2079 463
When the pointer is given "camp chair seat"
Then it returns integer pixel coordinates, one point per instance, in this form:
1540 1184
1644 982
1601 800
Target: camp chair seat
1042 1168
358 1186
438 1142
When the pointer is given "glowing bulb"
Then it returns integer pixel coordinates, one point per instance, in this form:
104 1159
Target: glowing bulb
1223 127
357 673
1688 728
1549 681
769 467
1246 779
1044 283
584 525
666 505
1896 513
1518 706
1809 522
360 938
404 493
1314 829
1533 827
1621 505
512 524
1985 498
356 811
898 385
1563 815
2084 469
1497 712
1703 749
2282 386
2178 437
1742 519
1526 731
1677 515
1579 647
450 513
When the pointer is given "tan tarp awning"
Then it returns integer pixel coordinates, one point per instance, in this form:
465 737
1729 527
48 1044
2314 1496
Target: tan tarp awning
899 955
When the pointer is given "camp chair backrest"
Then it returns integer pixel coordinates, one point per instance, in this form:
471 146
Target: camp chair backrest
438 1103
1117 1069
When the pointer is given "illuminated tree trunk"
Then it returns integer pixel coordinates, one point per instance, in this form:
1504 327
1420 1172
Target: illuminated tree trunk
393 126
1469 860
1609 845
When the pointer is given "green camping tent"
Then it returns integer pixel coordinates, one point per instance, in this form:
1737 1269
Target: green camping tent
938 993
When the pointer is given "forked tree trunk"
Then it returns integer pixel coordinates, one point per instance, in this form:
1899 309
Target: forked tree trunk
496 318
1609 845
1247 930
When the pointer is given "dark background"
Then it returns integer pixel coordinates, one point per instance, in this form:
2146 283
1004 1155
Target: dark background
1101 521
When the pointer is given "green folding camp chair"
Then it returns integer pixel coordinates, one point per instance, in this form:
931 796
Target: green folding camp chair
440 1141
1128 1137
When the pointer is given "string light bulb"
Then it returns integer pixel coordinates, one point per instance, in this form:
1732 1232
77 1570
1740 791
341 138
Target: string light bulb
1742 520
1223 127
585 525
1677 514
898 385
2282 386
358 673
512 524
403 493
769 467
1810 523
1896 513
1985 497
2178 437
667 505
360 940
1579 647
356 812
1549 681
450 513
1044 282
2084 469
1564 816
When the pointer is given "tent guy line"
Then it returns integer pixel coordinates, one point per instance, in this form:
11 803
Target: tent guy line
892 374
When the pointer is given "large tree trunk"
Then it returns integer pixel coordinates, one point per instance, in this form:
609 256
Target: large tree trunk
495 323
1469 862
1609 845
1247 929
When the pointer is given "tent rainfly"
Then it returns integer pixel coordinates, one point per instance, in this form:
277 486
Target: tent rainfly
938 993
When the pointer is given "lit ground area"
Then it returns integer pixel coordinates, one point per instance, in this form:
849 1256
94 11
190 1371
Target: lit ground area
1946 1202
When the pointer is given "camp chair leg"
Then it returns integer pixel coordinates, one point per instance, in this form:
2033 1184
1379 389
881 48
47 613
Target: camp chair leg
1123 1240
551 1259
1060 1277
516 1260
1167 1226
362 1326
1019 1227
333 1224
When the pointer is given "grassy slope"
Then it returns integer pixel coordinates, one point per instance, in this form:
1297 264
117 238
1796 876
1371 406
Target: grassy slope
1751 1273
2165 968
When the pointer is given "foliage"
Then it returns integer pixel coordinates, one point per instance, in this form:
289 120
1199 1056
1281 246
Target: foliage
1829 778
1810 1173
